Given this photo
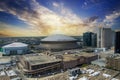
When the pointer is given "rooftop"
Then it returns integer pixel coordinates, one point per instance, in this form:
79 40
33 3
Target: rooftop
68 57
15 44
5 59
100 62
41 58
114 56
58 37
4 78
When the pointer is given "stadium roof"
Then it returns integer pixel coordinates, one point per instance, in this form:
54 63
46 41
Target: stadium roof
15 44
58 37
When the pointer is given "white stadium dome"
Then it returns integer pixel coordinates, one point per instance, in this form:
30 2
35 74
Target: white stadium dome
58 37
58 42
15 48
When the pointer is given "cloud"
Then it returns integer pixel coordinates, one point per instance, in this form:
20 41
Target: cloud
91 19
110 19
55 4
11 30
44 21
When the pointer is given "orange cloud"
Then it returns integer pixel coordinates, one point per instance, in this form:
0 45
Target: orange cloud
43 21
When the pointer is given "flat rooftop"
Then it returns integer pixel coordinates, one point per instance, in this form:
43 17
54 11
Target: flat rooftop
114 56
100 62
68 57
41 58
5 59
100 76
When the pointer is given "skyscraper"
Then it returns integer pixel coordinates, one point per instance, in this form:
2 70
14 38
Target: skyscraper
90 39
117 42
106 38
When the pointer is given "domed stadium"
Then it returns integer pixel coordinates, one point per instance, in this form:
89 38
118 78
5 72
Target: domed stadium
58 42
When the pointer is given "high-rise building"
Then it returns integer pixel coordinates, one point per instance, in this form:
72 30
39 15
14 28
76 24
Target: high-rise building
90 39
94 40
106 38
117 42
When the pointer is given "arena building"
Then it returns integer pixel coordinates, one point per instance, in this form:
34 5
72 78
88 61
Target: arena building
15 48
58 42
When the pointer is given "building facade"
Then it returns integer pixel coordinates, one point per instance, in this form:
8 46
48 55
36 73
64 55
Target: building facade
113 62
90 39
73 60
15 48
117 42
106 38
35 65
58 42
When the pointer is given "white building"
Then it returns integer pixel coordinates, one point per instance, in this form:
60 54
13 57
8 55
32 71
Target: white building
15 48
106 38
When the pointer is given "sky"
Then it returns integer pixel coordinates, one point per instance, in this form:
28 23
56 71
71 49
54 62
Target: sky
47 17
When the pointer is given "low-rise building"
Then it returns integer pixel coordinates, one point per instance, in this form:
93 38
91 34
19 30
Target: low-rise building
113 61
44 63
39 64
73 60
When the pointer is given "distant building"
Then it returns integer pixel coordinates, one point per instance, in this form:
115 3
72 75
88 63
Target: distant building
117 42
106 38
90 39
94 40
58 42
113 62
15 48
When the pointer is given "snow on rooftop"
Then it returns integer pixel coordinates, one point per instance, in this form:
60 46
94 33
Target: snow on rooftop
84 78
58 37
15 44
11 73
2 73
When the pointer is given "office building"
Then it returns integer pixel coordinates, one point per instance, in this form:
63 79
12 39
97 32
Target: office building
106 38
117 42
90 39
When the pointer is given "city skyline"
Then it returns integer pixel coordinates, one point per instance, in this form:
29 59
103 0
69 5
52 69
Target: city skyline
47 17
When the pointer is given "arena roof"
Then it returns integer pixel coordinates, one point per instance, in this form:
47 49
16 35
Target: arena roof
15 44
58 37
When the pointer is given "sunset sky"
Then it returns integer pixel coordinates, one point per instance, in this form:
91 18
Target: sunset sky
46 17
